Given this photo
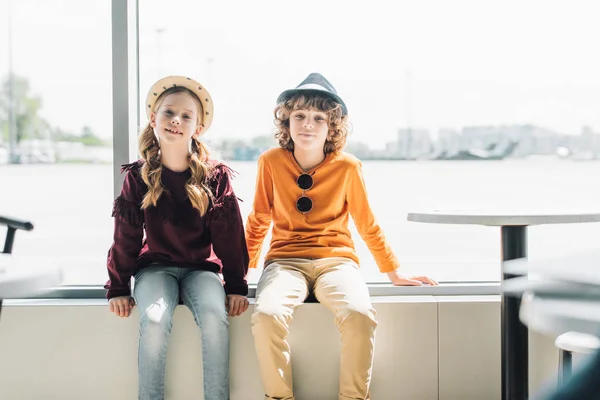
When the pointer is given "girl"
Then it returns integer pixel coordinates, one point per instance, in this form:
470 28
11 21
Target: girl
177 226
311 248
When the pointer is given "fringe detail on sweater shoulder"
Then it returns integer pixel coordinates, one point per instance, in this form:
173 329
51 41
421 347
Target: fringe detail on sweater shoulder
220 182
128 212
134 166
219 171
134 170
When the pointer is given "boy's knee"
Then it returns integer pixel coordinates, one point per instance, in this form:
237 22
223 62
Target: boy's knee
360 319
269 315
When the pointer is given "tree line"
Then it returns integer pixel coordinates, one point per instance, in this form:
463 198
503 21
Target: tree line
29 124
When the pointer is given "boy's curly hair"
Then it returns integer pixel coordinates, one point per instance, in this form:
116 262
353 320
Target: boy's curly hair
339 126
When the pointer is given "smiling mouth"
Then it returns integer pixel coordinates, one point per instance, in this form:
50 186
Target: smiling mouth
172 131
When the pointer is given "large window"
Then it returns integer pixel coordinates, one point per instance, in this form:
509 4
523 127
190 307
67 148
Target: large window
462 104
433 88
56 159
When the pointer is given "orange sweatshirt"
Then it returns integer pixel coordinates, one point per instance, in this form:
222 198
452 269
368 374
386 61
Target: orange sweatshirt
338 191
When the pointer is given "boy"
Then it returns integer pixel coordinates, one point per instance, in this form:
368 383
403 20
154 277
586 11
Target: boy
311 248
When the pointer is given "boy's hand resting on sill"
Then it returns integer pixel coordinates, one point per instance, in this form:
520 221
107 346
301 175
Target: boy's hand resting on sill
236 304
400 280
121 305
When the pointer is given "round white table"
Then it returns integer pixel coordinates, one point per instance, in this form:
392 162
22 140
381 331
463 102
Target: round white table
20 279
513 227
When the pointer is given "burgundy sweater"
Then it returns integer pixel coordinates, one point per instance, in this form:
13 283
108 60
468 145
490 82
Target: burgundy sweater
173 233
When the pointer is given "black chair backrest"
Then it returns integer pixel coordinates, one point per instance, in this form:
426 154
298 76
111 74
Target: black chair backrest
13 224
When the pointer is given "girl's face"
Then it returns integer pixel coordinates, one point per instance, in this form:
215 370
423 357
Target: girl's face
176 120
309 129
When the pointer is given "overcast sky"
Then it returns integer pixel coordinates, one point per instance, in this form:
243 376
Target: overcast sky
424 63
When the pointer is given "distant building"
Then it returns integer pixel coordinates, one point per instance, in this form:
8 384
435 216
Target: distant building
413 143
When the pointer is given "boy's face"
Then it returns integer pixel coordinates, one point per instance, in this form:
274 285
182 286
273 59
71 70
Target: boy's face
176 120
309 129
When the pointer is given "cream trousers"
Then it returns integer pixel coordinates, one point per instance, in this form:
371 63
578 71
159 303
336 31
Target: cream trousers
338 285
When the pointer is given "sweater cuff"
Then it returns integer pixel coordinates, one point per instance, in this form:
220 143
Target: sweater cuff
389 266
118 291
240 288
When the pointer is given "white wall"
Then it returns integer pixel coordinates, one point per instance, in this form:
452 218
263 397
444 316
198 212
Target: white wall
427 347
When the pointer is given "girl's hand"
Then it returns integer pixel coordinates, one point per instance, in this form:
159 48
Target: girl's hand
400 280
236 304
121 305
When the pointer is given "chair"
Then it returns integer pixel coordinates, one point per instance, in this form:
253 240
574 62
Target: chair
12 225
573 342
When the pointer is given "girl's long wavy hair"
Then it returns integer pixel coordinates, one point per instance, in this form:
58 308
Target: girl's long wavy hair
339 126
197 189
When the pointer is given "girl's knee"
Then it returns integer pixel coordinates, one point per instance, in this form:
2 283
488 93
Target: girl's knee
158 313
209 311
155 329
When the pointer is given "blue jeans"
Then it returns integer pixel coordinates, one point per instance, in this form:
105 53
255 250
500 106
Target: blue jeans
157 291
